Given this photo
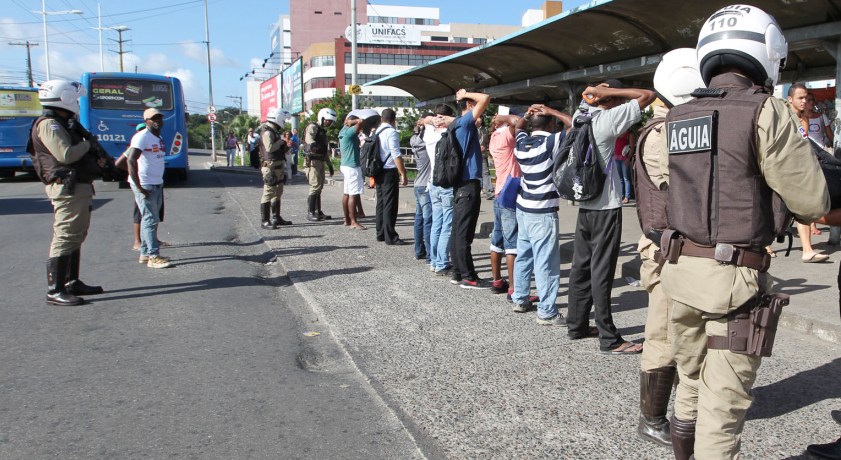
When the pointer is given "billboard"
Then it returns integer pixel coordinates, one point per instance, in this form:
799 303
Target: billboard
386 34
269 96
293 87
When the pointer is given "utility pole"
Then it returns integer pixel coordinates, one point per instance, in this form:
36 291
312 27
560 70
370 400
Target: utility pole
28 45
120 41
354 72
210 85
239 101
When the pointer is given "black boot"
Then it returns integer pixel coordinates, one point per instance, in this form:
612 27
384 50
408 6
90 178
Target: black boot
831 451
321 215
56 278
276 219
655 389
683 438
312 214
74 285
265 216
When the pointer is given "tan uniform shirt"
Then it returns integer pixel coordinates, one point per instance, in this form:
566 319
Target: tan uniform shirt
309 134
790 169
656 161
58 142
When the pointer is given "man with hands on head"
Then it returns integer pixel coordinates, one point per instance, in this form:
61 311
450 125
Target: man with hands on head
389 180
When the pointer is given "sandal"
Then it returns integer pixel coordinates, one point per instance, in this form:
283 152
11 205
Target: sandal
626 348
592 332
770 251
815 258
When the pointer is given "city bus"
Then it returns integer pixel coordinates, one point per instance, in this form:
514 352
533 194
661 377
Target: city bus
114 105
19 107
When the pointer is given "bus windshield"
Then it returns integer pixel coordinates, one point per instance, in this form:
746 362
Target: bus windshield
128 94
19 103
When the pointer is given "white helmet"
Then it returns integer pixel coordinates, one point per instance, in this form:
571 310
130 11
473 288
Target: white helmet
61 94
744 37
326 114
278 116
677 76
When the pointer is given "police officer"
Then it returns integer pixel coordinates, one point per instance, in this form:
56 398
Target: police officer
273 149
730 151
316 155
675 79
63 162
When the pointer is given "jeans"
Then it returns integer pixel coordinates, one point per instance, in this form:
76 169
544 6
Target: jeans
538 251
487 186
441 200
624 171
423 222
504 234
231 154
466 206
150 208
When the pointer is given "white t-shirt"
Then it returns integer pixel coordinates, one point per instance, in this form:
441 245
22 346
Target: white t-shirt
431 138
150 165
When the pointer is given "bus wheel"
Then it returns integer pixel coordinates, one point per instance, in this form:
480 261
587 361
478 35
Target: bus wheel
6 173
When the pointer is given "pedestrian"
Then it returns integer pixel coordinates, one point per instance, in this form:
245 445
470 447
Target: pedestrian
538 251
440 198
273 150
61 162
296 144
620 160
253 149
357 122
423 205
484 142
390 179
231 146
316 158
146 177
466 193
675 79
717 265
599 225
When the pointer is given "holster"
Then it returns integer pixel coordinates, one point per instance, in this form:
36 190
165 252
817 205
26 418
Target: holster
670 245
67 178
751 328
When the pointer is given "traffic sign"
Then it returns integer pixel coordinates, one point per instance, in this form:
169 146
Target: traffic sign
211 109
211 117
355 89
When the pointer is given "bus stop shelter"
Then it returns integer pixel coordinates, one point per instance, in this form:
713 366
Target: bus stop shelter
554 60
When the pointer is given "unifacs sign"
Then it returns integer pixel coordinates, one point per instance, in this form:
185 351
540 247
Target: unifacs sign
687 136
386 34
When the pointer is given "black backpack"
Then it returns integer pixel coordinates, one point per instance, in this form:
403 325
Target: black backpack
577 173
370 151
449 159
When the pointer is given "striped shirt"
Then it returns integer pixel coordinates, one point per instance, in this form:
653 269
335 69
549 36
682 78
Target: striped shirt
536 155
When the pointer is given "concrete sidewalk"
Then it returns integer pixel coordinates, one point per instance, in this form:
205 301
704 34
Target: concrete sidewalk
814 307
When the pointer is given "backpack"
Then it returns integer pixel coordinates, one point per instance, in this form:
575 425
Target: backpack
577 174
370 151
449 159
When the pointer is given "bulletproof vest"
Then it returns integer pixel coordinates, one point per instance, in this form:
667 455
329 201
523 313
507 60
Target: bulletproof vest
716 190
318 149
276 155
47 167
651 200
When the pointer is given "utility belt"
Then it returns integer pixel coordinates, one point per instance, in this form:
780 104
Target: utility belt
271 164
751 328
673 245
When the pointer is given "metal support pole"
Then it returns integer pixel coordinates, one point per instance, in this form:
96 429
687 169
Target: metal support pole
209 84
46 43
99 28
354 73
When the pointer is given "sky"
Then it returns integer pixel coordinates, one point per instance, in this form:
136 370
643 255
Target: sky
168 37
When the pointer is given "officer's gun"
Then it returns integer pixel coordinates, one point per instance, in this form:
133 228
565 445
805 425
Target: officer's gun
109 171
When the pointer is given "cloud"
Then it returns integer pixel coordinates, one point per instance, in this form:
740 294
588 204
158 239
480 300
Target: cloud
198 53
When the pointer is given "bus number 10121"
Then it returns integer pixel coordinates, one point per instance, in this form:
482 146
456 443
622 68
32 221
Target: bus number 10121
111 137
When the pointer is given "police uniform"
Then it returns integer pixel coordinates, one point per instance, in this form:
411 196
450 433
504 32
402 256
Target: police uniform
714 390
273 150
315 135
657 368
61 162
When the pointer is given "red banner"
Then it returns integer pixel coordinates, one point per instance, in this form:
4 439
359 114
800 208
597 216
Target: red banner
269 96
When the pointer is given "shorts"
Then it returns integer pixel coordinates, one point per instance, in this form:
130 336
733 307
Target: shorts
138 217
504 234
353 180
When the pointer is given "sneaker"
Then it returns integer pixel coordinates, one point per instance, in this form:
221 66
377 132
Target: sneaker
557 320
455 279
474 283
532 298
523 307
143 259
499 286
158 262
442 272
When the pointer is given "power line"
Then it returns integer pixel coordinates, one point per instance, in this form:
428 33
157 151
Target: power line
28 45
109 15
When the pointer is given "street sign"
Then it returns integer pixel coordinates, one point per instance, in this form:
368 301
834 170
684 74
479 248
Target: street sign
355 89
211 117
211 109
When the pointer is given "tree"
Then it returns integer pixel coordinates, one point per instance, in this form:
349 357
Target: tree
241 124
341 102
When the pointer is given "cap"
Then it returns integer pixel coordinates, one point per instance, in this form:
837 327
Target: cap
148 114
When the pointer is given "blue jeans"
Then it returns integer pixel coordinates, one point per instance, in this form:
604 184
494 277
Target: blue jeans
150 209
504 234
538 251
442 225
423 222
231 154
624 171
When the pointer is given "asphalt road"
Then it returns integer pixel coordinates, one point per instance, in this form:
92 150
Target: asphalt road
213 358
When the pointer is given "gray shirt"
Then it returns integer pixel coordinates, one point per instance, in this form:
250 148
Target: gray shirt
608 125
422 159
